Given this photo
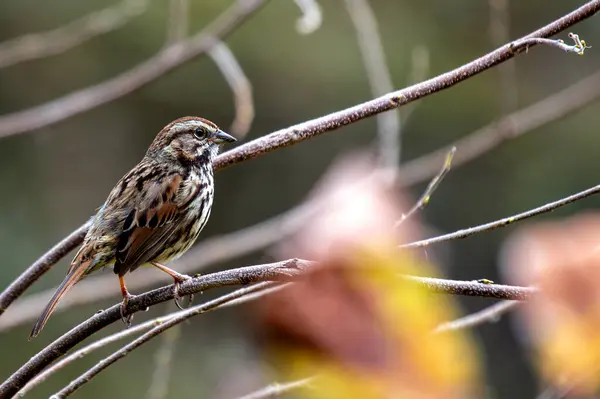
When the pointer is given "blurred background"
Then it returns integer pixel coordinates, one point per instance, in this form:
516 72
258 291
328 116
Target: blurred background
54 178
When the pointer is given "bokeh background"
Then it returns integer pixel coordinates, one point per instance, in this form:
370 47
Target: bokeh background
53 178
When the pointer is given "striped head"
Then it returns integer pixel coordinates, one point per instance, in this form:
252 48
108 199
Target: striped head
191 140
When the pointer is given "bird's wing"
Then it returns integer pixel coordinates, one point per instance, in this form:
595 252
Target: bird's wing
150 224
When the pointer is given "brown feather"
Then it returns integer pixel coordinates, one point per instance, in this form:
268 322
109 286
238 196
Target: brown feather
73 277
141 242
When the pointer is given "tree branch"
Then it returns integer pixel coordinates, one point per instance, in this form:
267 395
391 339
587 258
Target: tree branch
336 120
474 288
380 81
177 28
163 359
41 266
239 85
275 390
489 314
124 351
504 221
38 45
279 271
80 353
165 61
485 139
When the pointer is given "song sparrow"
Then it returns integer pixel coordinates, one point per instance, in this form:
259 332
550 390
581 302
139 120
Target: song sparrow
154 213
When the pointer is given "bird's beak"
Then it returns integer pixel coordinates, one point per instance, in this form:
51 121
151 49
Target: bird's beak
222 137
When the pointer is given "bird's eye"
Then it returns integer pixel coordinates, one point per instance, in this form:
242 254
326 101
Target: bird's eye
200 133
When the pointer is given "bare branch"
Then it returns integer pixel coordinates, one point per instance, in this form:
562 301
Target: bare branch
504 221
483 140
41 266
124 351
500 33
272 272
159 387
431 187
44 44
43 376
419 70
148 71
279 271
177 29
312 16
474 288
373 57
240 86
490 314
277 389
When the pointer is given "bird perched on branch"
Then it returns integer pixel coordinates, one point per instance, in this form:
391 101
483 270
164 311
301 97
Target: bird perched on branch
154 213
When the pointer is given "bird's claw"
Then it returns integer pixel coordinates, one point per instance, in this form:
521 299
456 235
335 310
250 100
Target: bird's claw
126 318
176 296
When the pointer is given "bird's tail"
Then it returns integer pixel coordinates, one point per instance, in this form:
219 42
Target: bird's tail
73 277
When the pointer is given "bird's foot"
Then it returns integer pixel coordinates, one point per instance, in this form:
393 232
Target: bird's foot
126 318
176 297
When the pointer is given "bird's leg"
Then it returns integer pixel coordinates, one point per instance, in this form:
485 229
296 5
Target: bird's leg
178 278
126 297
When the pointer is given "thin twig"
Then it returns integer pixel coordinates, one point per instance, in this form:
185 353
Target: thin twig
278 271
504 221
485 139
489 314
43 376
177 28
240 86
159 386
419 70
312 17
380 81
500 33
208 252
275 390
431 187
59 365
38 45
577 48
124 351
41 266
134 79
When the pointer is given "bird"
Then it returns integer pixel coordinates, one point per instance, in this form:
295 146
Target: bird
155 212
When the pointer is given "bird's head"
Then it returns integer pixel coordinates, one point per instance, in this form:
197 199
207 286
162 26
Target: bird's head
190 139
